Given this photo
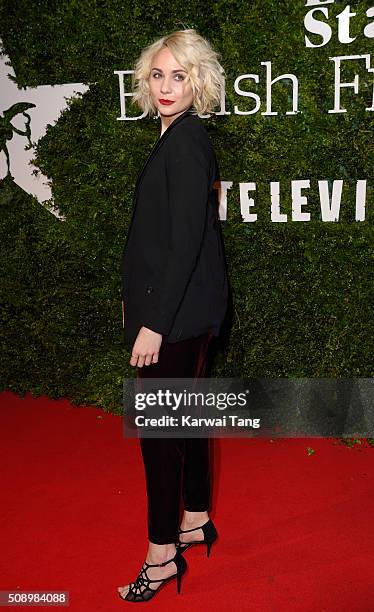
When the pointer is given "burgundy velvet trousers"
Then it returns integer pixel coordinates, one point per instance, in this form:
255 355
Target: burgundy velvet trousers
176 466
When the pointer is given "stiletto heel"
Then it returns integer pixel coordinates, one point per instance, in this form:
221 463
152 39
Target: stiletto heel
210 535
179 580
137 593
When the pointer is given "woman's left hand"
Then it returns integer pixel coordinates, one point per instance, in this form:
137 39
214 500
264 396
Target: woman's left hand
146 347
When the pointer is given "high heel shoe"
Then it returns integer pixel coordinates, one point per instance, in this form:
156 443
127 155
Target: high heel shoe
138 593
210 535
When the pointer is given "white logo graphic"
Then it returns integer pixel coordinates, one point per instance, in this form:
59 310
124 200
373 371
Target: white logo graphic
24 117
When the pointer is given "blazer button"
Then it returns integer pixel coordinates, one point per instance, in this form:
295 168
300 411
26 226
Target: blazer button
149 289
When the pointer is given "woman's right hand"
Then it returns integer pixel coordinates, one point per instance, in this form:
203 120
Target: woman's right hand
146 347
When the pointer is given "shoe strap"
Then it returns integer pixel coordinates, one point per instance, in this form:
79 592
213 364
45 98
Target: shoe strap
143 581
194 529
159 564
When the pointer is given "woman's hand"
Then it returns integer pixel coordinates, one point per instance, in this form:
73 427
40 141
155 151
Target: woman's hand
146 347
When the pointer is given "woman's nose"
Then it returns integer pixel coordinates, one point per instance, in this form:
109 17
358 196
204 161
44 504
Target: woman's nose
165 87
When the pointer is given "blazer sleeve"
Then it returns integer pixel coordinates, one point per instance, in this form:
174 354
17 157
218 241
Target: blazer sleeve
188 174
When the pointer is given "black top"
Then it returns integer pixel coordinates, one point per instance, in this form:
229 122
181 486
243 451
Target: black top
173 268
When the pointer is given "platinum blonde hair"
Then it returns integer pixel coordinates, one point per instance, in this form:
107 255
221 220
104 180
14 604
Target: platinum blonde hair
195 54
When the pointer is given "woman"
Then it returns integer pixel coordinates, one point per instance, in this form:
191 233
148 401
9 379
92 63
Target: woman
175 287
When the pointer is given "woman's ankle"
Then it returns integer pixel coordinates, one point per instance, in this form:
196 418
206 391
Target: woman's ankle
158 553
191 519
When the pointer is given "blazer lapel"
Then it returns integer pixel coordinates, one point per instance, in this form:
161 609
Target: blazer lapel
155 148
159 142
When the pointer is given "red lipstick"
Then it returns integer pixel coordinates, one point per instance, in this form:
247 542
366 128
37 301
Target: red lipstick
166 102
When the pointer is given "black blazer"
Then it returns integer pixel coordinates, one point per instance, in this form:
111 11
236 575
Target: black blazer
174 274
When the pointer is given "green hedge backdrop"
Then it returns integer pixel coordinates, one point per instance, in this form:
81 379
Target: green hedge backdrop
302 292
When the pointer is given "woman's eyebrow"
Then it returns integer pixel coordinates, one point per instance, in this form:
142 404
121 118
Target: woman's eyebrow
179 70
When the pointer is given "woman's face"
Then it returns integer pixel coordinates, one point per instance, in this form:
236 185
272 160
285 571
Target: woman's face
167 81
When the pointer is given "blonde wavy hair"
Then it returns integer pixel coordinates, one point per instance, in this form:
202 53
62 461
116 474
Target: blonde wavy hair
195 54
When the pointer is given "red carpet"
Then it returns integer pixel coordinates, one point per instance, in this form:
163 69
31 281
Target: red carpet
296 530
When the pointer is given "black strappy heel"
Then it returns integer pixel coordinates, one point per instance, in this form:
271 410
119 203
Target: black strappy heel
210 535
136 591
